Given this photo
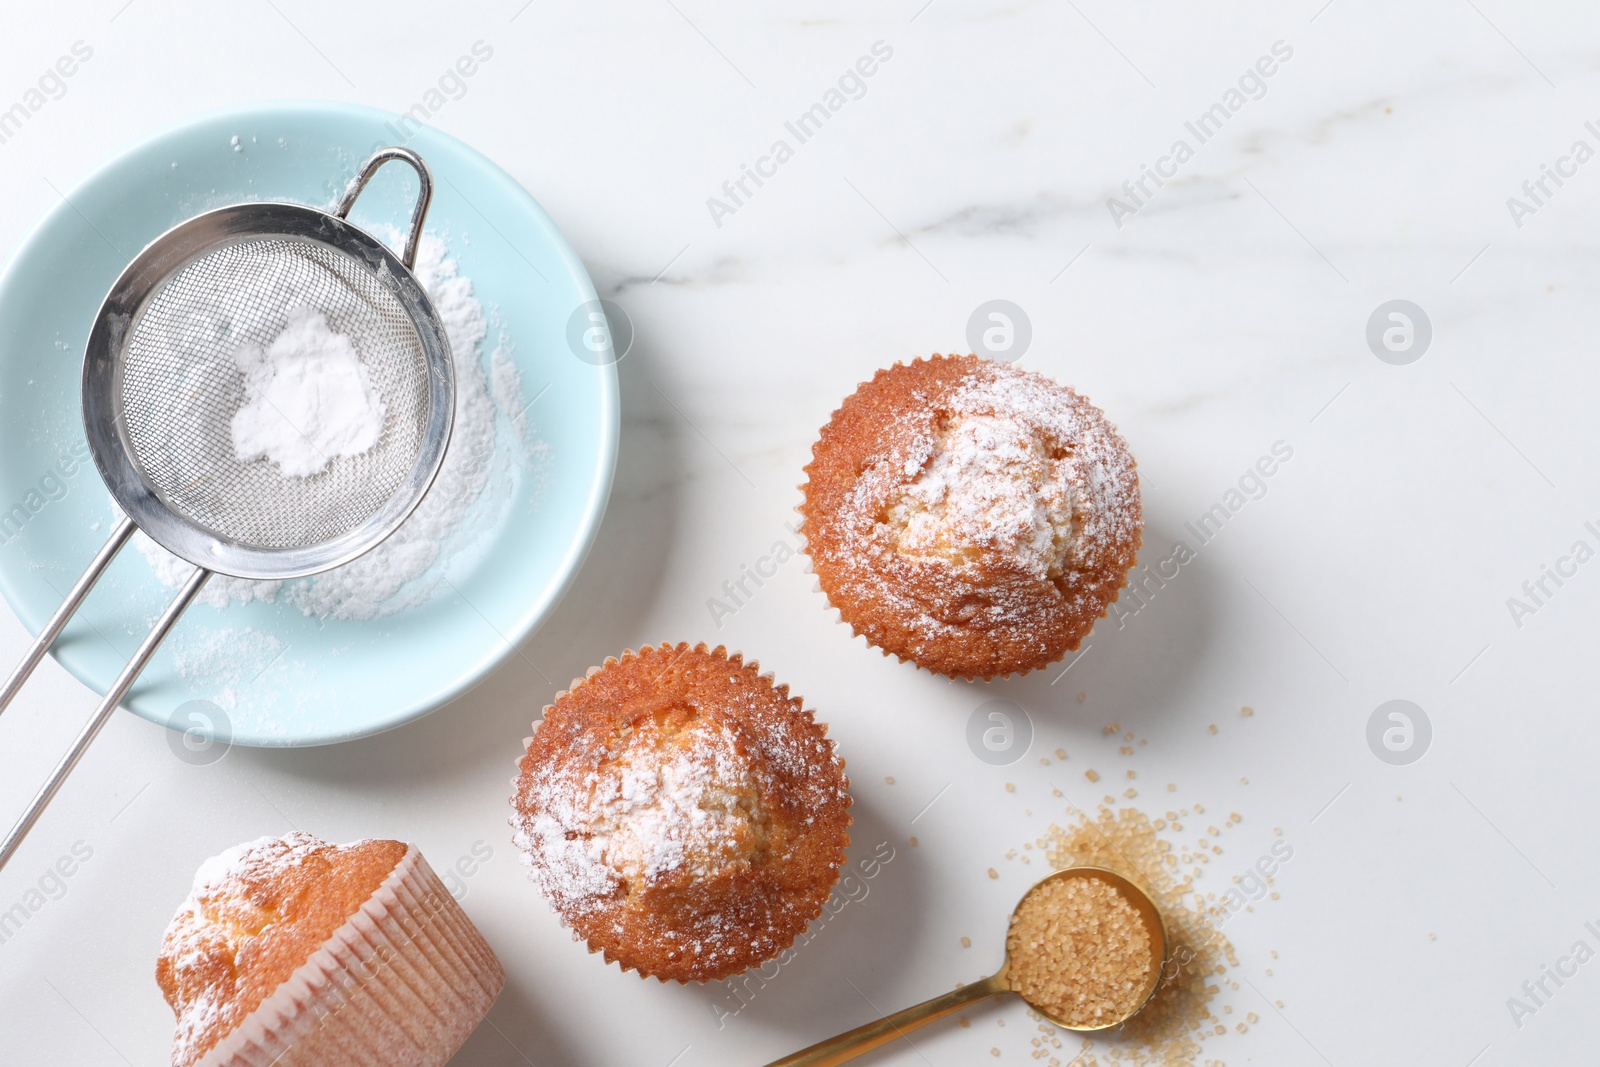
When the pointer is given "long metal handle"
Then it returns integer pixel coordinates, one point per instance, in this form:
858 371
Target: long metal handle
424 193
102 715
848 1046
58 621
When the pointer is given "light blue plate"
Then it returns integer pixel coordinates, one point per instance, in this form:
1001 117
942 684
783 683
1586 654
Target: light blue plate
281 677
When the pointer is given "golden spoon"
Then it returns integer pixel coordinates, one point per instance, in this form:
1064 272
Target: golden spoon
848 1046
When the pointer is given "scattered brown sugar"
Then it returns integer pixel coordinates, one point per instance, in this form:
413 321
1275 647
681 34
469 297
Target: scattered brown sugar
1080 951
1247 711
966 942
911 841
993 873
1212 727
1171 1029
888 780
1092 774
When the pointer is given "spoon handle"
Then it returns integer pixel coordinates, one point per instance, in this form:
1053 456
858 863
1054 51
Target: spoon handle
847 1046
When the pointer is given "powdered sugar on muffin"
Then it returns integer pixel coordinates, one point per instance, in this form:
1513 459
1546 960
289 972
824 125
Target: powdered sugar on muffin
991 485
676 803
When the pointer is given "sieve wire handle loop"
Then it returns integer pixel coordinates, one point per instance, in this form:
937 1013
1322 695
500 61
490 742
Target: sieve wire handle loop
424 193
64 613
102 715
849 1045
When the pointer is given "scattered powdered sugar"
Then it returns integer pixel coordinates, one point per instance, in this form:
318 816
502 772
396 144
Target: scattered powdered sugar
506 381
308 398
491 445
229 659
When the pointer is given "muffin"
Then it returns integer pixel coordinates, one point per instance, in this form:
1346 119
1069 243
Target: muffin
292 951
971 517
682 815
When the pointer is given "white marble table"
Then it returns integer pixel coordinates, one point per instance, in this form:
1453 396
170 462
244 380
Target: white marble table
1213 316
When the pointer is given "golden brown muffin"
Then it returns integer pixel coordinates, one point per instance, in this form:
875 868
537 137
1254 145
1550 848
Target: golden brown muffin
294 951
972 517
682 814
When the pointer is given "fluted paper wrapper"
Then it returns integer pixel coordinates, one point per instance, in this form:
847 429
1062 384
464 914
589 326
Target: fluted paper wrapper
401 984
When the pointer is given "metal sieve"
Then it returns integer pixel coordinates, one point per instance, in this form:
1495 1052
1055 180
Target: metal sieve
161 387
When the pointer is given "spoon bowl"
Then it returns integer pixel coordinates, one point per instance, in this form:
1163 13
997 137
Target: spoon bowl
1149 915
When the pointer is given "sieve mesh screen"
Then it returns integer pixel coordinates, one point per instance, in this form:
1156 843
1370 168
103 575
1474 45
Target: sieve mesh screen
178 388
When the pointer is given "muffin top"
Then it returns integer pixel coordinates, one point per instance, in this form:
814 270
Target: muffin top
255 914
681 813
970 516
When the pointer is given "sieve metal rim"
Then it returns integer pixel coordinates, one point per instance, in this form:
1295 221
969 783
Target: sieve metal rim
144 278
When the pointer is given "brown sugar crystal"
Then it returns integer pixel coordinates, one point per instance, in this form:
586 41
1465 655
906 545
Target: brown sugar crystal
1080 951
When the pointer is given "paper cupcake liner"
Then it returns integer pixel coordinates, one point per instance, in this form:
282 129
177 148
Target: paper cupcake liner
401 984
736 660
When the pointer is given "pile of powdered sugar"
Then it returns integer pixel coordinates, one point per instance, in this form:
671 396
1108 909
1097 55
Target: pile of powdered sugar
308 398
491 444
